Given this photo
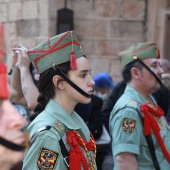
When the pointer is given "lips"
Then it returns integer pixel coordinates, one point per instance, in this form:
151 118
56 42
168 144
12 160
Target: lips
91 92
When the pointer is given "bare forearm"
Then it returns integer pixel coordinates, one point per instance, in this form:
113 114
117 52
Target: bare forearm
16 90
29 89
126 161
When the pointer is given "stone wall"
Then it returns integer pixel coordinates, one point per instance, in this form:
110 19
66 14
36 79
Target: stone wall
104 27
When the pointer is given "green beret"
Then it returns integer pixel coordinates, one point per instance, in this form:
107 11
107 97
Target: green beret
140 50
58 49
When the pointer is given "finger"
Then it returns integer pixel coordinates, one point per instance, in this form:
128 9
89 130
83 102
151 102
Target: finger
20 48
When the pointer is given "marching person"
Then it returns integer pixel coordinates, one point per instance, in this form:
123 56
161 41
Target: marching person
139 130
60 138
12 140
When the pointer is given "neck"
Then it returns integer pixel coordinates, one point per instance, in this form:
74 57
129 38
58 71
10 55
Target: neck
63 102
140 90
5 165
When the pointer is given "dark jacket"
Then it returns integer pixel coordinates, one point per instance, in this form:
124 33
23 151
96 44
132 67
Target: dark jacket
91 114
95 120
117 91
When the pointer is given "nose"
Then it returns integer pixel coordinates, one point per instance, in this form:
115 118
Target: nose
160 70
14 118
91 82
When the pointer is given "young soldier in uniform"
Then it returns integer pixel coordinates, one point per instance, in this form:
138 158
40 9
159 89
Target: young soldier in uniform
11 123
65 80
140 133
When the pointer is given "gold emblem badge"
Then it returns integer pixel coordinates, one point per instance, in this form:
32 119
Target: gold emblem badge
132 103
135 57
59 126
47 159
129 125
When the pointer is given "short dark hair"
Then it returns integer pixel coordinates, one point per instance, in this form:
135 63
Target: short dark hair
126 72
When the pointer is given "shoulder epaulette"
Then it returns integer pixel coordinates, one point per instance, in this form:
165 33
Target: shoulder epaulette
133 104
57 126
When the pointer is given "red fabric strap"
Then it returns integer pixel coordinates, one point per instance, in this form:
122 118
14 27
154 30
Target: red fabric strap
151 124
76 154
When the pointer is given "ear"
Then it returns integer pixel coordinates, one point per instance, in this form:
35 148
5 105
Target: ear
58 82
136 73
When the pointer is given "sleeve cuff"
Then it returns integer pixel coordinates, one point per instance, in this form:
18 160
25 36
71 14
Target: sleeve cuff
129 148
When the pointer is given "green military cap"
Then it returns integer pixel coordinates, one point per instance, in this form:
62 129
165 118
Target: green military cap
56 50
140 50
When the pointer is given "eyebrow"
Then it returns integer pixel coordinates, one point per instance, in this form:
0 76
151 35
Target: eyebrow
155 62
85 71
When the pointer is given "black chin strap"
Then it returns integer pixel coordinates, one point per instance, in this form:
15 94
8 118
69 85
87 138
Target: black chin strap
60 73
11 145
156 77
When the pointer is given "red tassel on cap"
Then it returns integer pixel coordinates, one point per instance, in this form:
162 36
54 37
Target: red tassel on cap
158 54
73 64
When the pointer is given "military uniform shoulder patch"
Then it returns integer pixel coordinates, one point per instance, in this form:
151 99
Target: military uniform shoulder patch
47 159
129 125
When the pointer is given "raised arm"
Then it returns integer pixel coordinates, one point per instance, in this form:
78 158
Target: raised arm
17 95
29 89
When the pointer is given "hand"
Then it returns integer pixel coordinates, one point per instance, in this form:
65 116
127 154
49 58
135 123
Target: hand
14 59
23 60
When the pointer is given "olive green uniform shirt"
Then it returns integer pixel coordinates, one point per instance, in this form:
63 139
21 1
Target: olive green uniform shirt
45 152
126 129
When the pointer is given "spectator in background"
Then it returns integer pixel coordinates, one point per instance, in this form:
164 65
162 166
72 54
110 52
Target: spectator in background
116 93
24 80
91 114
165 64
17 97
162 96
103 85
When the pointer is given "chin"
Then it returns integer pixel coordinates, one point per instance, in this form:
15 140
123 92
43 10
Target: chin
156 88
86 101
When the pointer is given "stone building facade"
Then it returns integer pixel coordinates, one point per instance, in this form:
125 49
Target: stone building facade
104 27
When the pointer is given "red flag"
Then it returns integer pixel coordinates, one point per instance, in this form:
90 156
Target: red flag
2 43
